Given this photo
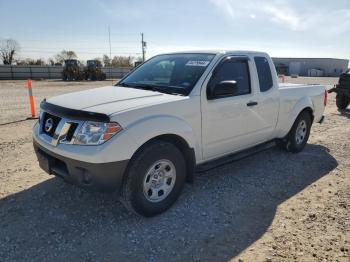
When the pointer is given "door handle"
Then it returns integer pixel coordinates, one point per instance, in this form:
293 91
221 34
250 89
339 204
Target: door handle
252 103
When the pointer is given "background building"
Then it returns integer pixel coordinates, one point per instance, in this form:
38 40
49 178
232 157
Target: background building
311 66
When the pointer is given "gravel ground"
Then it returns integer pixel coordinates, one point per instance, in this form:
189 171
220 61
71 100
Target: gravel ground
14 104
272 206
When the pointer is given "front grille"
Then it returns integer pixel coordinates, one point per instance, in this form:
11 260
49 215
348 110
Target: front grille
71 132
62 130
55 121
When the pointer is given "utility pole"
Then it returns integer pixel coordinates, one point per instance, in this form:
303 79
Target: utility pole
143 45
110 53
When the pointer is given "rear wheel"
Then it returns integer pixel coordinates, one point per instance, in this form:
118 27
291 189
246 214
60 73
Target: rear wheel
342 101
298 136
155 178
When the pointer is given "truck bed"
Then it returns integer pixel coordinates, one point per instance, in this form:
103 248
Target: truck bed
291 85
294 95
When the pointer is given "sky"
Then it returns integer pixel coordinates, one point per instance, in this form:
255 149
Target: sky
295 28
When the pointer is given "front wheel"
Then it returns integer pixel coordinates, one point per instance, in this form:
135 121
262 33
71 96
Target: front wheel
298 136
154 180
342 101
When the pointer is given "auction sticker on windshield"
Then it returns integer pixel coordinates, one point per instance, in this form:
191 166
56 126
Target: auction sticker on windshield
197 63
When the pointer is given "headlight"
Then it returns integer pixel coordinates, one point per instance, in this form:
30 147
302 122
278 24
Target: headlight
96 133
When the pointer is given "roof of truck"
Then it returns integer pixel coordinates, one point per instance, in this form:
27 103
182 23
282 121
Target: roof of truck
216 52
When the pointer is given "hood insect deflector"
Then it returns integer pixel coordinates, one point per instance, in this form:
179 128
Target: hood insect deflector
73 113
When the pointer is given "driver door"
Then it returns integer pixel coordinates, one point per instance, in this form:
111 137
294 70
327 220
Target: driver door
230 123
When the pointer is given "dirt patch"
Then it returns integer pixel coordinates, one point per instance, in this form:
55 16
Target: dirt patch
272 206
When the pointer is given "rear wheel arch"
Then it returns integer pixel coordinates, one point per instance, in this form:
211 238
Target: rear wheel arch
290 142
309 111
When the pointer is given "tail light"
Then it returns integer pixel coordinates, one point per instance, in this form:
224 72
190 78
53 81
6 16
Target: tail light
325 98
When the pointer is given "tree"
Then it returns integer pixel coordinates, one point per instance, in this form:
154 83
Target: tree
118 61
51 61
30 61
21 62
40 61
106 60
122 61
8 50
64 55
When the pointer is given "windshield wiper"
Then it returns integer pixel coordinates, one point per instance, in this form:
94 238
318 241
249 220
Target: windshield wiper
155 88
158 89
137 85
162 89
124 84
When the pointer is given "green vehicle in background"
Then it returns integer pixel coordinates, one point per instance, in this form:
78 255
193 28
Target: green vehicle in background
72 70
93 71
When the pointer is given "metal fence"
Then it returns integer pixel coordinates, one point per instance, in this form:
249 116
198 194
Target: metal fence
17 72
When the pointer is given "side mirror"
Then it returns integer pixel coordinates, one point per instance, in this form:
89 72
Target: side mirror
223 89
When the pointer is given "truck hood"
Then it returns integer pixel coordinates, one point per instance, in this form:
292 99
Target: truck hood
111 99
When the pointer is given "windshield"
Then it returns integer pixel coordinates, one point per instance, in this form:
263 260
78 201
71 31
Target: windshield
173 73
71 62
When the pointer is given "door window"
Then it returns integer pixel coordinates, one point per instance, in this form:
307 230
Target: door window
233 70
264 73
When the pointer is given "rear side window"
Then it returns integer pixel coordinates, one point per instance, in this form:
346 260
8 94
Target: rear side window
234 70
264 73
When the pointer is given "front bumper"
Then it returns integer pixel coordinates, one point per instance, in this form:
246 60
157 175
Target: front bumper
103 177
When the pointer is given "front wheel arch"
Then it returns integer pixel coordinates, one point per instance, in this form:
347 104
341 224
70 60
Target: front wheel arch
132 193
182 145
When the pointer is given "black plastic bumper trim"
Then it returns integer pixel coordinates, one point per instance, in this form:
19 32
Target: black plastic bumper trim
102 177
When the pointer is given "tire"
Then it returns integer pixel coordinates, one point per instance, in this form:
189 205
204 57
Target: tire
344 80
299 134
342 102
140 193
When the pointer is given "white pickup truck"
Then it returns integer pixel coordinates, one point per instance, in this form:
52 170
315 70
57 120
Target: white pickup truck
144 136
